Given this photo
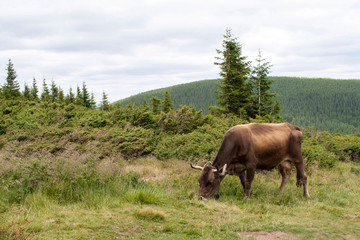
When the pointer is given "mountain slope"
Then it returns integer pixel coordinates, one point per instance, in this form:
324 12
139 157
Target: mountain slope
327 104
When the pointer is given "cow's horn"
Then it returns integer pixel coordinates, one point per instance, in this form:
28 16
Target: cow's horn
223 172
196 167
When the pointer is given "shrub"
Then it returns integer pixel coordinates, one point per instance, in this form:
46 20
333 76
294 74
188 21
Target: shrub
134 141
197 144
315 151
183 120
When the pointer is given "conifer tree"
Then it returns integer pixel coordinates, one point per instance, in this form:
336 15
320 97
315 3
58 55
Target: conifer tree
79 97
34 90
145 105
92 101
27 93
54 95
155 103
85 96
261 85
45 96
105 106
11 89
70 98
235 90
61 95
167 104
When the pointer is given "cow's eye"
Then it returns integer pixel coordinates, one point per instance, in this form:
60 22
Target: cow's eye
208 184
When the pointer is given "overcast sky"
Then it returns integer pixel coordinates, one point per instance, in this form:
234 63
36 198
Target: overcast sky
130 46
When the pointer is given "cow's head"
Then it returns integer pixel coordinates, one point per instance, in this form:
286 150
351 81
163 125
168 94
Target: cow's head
210 180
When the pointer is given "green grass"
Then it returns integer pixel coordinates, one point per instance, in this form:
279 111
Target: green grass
152 199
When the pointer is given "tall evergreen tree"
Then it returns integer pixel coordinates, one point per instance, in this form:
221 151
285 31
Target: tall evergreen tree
85 96
235 90
155 103
79 97
34 90
54 95
70 98
45 95
167 104
265 103
61 95
105 106
11 89
27 93
92 101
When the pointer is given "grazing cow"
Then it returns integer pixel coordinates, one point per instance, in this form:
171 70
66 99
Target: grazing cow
254 146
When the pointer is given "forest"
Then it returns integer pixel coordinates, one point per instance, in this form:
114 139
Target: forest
327 104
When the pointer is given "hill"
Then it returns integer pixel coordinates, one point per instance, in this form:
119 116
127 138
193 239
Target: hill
327 104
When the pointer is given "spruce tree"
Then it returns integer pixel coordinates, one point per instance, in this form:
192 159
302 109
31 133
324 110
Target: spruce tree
34 90
79 97
70 98
167 104
61 95
235 89
45 96
155 103
11 89
265 103
54 95
92 101
27 93
105 106
85 96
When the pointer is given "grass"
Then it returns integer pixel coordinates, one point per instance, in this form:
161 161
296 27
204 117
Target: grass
151 199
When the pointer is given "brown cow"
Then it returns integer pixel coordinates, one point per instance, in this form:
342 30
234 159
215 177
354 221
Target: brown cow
254 146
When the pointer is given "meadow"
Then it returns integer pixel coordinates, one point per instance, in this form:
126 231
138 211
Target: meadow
67 172
151 199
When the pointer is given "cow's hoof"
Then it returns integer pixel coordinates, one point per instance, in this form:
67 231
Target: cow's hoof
216 196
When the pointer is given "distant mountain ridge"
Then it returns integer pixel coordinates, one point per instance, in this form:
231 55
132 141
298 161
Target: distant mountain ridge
327 104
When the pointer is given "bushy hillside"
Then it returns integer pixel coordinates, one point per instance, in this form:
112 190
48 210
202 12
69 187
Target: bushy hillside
327 104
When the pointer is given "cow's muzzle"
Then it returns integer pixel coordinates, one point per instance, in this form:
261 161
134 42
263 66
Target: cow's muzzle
216 196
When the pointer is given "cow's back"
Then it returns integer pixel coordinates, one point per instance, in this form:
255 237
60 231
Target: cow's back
271 143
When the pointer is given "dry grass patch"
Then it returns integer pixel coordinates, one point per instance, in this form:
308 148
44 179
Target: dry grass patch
262 235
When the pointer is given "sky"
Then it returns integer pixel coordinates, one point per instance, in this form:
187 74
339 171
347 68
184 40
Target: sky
126 47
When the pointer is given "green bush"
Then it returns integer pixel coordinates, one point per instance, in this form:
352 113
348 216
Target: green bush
315 151
183 120
134 141
198 144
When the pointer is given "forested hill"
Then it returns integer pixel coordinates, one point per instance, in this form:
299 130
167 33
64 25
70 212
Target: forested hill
327 104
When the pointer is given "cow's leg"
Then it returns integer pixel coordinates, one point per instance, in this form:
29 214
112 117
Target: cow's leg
250 173
242 177
284 169
301 177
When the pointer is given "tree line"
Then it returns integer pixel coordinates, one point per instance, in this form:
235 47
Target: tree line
53 93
